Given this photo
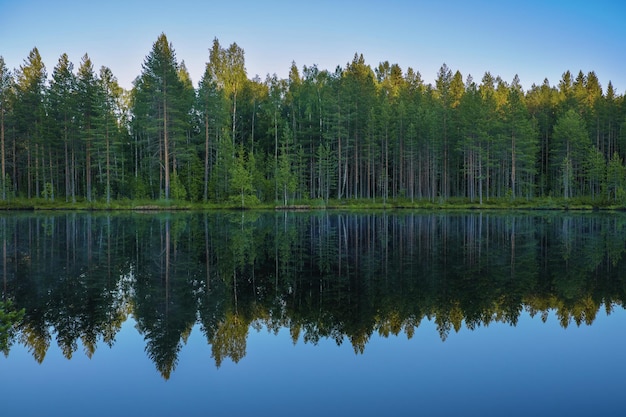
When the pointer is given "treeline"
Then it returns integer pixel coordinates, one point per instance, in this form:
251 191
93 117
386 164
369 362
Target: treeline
353 133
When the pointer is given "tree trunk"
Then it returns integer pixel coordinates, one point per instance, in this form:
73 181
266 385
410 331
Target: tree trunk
108 157
88 169
67 165
234 114
37 191
52 182
28 173
206 156
513 173
2 156
166 154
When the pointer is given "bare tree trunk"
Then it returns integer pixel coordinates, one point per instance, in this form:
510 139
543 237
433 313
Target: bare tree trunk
513 179
73 173
37 193
253 119
51 173
275 155
234 113
206 156
108 157
28 173
2 156
68 189
166 153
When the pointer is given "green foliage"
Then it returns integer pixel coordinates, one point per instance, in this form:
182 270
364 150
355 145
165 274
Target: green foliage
596 169
616 180
177 189
248 201
138 189
377 134
48 191
326 173
240 177
161 107
570 146
286 179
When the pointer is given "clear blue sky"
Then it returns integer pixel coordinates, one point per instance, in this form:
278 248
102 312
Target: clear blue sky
535 39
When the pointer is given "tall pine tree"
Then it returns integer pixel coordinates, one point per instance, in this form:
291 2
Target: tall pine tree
158 90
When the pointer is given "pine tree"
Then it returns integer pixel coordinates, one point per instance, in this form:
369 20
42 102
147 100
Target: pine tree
523 141
29 114
616 179
110 114
62 117
88 97
6 86
570 146
156 105
209 105
473 139
286 181
240 177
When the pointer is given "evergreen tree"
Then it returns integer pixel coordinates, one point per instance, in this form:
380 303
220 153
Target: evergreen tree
185 158
286 180
493 123
570 147
111 118
326 175
473 141
596 171
240 177
445 103
29 113
158 91
62 114
608 121
542 102
6 87
209 106
523 142
616 179
358 90
88 99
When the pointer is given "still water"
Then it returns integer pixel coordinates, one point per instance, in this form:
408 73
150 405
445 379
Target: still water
403 313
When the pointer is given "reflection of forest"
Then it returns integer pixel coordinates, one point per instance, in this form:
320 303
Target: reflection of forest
339 276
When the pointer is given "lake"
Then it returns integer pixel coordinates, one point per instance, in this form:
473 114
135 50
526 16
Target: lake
323 313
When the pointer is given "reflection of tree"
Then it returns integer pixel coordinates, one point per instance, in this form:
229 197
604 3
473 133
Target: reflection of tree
164 301
9 322
37 339
332 276
66 279
229 339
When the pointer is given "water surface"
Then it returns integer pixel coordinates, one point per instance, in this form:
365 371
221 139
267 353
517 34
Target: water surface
313 314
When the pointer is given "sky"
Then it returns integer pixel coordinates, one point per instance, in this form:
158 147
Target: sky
535 39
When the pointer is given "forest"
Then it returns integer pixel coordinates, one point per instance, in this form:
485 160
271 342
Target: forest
356 134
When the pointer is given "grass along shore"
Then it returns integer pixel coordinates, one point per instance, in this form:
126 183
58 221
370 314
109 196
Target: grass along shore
544 203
